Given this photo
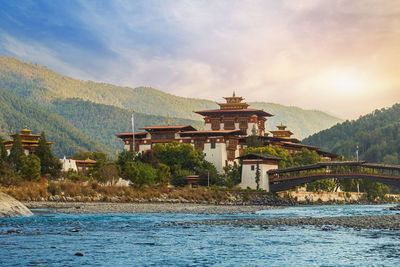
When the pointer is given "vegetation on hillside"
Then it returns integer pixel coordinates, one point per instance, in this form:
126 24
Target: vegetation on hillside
15 113
101 122
377 136
40 85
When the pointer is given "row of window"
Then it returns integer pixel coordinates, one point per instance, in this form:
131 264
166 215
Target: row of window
228 124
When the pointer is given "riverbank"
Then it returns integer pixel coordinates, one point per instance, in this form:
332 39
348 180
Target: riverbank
390 222
104 207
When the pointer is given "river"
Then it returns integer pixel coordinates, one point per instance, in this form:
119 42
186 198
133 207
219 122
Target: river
52 239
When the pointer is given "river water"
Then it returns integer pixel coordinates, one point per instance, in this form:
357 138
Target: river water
52 239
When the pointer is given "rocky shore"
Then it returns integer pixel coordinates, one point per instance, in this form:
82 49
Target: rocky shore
391 222
107 207
10 207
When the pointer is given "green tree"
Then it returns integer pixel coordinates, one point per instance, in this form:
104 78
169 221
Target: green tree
16 152
207 171
232 175
178 178
124 157
82 155
131 172
3 152
140 174
305 157
163 174
287 160
98 156
374 190
258 175
177 154
107 174
30 168
50 165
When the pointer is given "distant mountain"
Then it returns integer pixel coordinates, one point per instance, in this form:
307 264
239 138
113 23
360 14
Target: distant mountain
16 112
376 134
40 85
301 122
101 122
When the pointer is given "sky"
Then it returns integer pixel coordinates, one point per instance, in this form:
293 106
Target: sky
339 56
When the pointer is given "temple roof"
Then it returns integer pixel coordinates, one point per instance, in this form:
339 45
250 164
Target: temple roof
85 161
210 133
169 127
299 145
259 156
247 111
129 134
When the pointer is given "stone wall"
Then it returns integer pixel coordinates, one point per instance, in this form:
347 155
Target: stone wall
303 196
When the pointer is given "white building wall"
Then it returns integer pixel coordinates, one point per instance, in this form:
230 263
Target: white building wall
217 155
68 164
207 126
249 176
144 147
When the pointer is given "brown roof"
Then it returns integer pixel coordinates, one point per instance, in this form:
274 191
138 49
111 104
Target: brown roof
210 133
130 134
169 127
279 139
299 145
258 112
85 161
259 156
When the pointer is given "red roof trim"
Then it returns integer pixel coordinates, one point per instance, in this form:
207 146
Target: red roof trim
138 133
257 111
165 127
220 131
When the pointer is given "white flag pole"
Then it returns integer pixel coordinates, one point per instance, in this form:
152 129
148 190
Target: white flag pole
133 129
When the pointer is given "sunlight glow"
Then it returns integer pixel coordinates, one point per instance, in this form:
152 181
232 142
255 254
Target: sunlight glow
344 82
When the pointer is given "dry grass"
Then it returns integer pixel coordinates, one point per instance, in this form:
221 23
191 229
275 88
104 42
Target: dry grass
27 191
92 191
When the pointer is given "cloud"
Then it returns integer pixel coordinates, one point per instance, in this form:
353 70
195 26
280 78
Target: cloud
274 51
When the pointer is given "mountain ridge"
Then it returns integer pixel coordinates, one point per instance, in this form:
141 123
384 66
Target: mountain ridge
16 112
377 136
41 85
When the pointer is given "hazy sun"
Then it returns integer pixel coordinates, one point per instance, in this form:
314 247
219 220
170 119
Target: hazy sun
344 82
348 82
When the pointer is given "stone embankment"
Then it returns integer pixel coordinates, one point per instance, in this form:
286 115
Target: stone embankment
391 222
10 207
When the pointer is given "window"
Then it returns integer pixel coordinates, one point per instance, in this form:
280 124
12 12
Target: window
243 124
213 141
215 125
229 125
252 167
231 154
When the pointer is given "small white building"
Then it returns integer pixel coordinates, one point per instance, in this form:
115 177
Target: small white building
253 162
68 163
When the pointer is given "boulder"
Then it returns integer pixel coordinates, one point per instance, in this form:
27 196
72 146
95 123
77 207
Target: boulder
10 207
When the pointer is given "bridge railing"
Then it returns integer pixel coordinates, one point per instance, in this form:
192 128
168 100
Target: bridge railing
338 170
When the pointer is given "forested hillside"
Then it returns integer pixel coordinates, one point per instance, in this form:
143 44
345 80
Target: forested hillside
15 113
40 85
101 122
376 134
301 122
